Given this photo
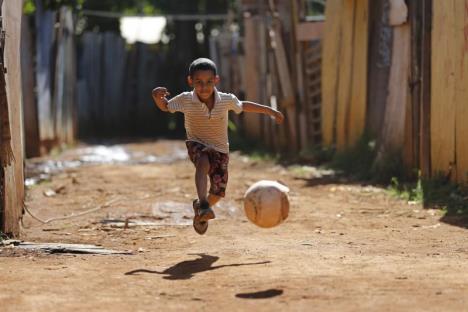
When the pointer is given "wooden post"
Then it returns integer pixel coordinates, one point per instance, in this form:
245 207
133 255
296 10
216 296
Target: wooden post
380 56
13 179
444 62
330 69
65 79
288 102
393 131
411 149
45 22
425 127
31 125
460 17
251 121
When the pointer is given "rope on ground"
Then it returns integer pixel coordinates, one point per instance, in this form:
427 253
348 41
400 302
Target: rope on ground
73 215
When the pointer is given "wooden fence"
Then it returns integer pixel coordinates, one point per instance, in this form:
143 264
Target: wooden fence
11 179
416 104
449 89
344 72
114 88
49 111
280 67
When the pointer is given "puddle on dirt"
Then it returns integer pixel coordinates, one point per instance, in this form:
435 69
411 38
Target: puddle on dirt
38 171
169 214
178 213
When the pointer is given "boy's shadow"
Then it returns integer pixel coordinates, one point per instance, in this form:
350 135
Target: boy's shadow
187 269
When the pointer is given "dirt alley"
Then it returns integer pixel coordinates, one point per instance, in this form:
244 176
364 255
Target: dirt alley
344 247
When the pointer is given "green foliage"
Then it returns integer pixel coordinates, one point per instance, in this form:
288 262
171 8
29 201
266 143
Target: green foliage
315 7
29 7
360 162
408 191
316 154
232 126
440 192
356 161
254 149
3 236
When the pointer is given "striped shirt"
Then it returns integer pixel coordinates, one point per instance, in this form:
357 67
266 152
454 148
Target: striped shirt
202 125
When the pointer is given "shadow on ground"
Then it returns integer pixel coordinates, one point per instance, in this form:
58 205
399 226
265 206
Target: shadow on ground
264 294
187 269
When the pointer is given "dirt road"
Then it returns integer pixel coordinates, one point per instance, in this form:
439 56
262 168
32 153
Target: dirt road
344 247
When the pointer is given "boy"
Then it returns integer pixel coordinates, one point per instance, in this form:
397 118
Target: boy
205 112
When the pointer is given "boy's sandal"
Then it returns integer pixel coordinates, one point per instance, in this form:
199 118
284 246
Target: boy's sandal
200 226
205 212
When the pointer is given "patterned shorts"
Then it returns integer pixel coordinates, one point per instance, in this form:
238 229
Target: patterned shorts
218 172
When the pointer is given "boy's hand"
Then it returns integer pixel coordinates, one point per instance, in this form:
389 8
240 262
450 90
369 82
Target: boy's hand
159 97
279 117
160 93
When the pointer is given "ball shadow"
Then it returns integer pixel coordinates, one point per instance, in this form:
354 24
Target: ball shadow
264 294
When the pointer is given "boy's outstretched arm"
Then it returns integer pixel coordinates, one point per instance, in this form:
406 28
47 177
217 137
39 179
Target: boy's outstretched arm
251 107
159 97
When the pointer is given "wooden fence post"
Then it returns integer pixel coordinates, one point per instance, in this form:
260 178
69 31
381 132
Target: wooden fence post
444 62
31 125
393 131
12 175
45 21
425 126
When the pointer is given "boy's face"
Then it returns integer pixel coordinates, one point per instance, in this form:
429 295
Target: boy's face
204 82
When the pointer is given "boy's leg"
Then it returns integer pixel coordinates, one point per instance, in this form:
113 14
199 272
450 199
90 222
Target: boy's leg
213 199
201 182
218 177
201 177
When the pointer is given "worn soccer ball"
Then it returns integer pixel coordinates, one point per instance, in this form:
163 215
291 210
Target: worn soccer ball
266 203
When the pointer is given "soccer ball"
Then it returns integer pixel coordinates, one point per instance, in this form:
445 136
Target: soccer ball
266 203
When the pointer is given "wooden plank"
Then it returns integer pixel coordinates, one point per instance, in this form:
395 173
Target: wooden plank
412 137
113 87
282 65
398 12
60 81
443 108
358 101
309 31
45 21
91 85
461 92
69 93
14 177
393 131
380 55
304 139
425 108
346 68
330 68
30 114
70 248
251 79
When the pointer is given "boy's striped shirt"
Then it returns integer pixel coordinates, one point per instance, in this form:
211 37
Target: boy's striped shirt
203 126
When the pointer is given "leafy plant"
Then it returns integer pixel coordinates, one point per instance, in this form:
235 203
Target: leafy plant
408 191
356 161
440 192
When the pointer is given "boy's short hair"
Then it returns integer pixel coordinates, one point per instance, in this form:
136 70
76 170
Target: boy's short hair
202 64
